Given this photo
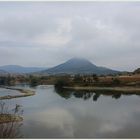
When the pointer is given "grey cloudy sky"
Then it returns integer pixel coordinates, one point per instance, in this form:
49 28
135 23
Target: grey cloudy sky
49 33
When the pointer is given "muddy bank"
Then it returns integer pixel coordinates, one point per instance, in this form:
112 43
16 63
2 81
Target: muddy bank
24 93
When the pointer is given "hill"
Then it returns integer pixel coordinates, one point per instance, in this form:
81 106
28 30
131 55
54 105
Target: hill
79 66
20 69
137 71
2 72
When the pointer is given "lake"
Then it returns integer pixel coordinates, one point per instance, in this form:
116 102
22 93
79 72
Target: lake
70 114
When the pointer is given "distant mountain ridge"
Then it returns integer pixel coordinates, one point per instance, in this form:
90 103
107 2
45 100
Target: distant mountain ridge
79 66
137 71
20 69
2 72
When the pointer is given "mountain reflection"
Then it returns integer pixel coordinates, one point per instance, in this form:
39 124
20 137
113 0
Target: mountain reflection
86 94
10 121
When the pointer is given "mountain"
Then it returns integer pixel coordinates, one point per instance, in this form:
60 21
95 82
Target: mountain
20 69
137 71
2 72
79 66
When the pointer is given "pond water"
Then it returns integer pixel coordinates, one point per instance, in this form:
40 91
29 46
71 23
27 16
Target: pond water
70 114
5 92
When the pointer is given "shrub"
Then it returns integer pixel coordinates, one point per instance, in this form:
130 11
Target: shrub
61 83
116 81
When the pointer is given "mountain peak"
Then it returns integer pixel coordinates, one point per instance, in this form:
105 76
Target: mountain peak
79 60
78 65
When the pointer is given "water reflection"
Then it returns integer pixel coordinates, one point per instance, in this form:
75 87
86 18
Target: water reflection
51 123
129 129
96 96
78 120
86 94
79 114
10 121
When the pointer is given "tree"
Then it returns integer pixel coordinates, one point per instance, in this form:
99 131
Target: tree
95 77
60 83
77 78
116 81
7 80
34 81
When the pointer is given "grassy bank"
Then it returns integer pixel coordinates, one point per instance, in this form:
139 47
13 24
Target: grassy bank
121 89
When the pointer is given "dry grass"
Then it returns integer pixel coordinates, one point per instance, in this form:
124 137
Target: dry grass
122 79
6 118
10 121
121 89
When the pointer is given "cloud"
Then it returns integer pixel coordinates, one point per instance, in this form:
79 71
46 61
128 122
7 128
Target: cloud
48 33
59 123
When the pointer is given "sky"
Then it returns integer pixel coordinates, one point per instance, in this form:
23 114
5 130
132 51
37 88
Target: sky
46 34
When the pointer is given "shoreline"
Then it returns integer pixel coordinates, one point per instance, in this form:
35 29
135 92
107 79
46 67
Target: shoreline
121 89
25 93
